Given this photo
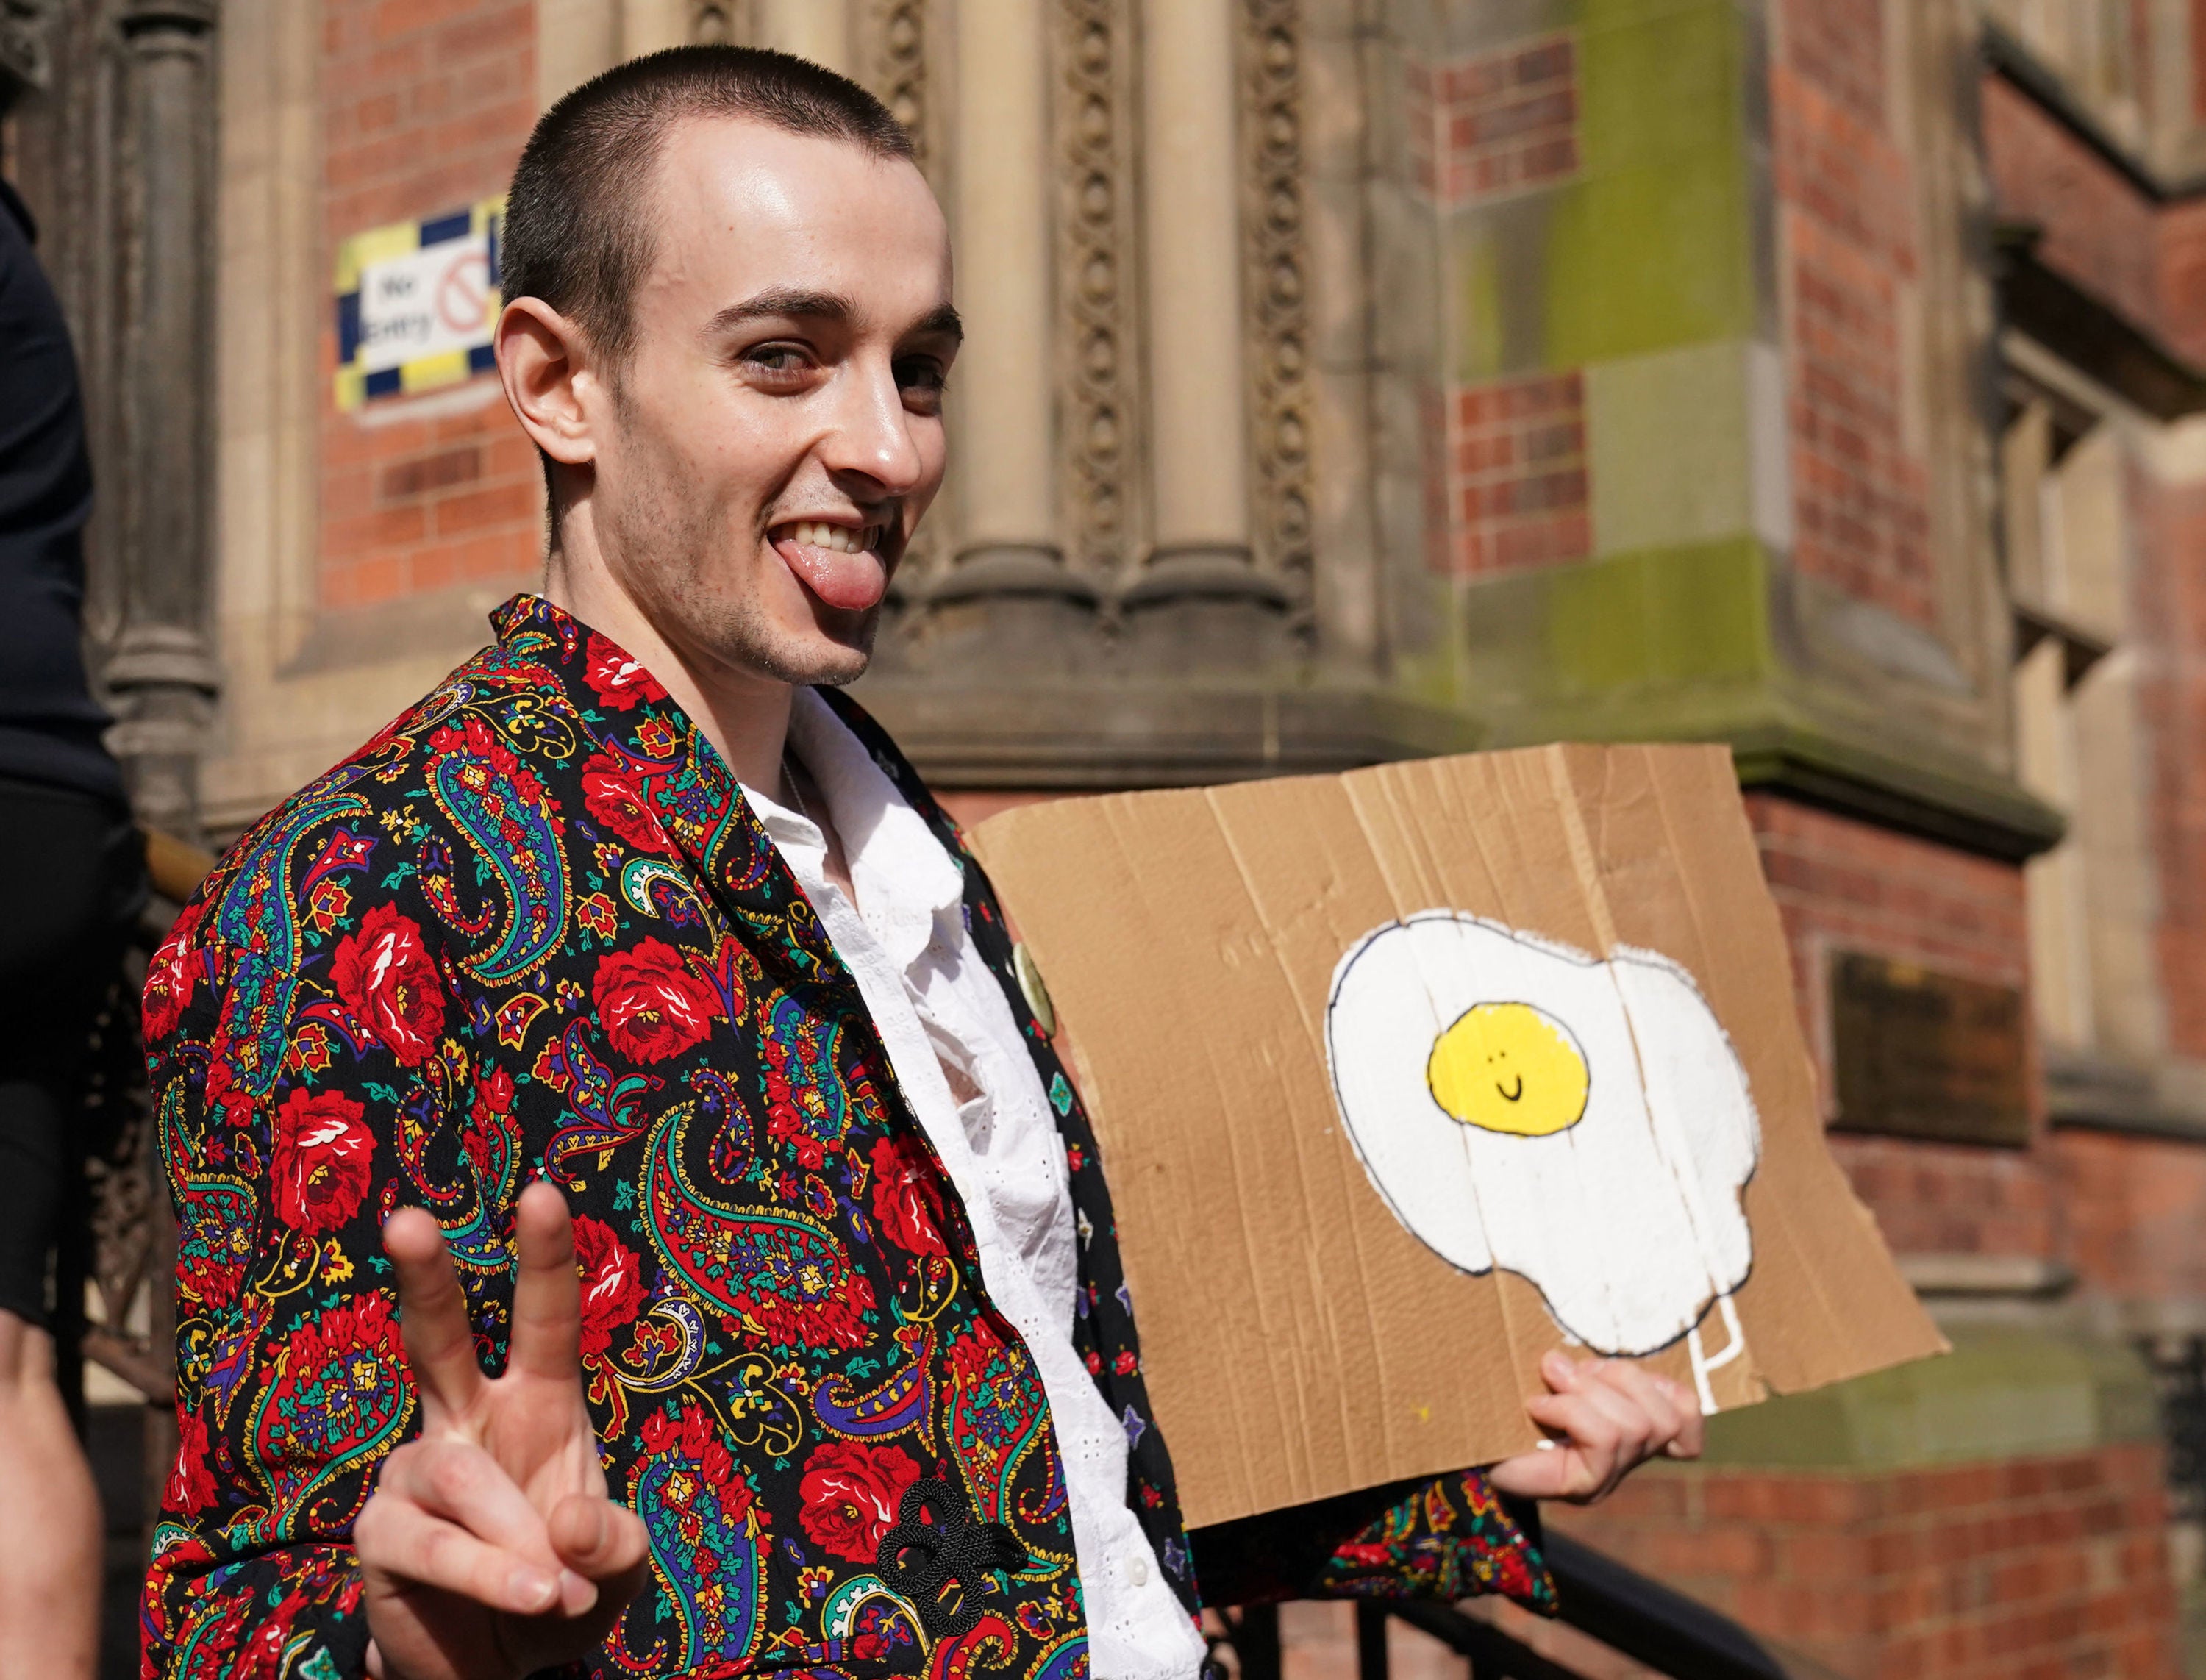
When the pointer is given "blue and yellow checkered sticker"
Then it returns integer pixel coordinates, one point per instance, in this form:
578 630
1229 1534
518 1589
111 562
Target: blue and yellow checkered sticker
416 304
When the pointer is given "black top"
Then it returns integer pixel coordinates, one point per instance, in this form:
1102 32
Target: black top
50 726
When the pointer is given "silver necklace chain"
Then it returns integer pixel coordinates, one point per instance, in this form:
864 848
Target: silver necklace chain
788 773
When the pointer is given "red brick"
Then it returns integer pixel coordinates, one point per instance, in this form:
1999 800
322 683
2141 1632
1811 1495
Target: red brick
428 473
1503 121
486 29
1846 222
1516 490
1843 885
385 529
506 505
441 96
1994 1572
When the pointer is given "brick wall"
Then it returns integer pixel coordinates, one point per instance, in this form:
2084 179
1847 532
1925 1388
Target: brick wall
1497 123
2169 644
2041 1566
2132 1209
2147 261
1515 478
1842 884
2098 230
1505 469
427 104
1846 230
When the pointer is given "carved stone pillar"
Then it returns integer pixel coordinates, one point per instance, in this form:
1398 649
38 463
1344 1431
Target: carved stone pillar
575 40
162 675
1003 400
648 25
1200 481
816 29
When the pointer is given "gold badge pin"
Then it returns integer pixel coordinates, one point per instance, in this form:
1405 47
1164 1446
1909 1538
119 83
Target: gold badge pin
1037 994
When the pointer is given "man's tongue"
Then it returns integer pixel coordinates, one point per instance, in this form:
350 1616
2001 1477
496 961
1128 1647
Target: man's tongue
853 583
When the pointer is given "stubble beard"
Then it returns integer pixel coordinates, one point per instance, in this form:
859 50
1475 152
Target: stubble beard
669 550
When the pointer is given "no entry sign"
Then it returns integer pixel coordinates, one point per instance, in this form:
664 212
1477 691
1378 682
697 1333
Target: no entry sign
416 302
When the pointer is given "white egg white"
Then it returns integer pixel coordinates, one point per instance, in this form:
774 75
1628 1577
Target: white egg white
1631 1222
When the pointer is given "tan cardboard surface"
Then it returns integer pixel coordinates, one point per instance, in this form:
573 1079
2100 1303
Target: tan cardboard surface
1299 1340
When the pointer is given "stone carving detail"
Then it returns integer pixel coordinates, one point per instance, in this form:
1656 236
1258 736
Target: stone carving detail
893 61
1092 61
716 22
891 57
122 1247
26 51
1273 282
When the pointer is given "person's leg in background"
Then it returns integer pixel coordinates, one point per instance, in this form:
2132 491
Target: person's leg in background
50 1539
69 884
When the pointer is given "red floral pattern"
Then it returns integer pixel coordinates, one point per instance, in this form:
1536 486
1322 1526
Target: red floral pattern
191 1486
321 1162
390 985
612 1290
618 679
907 1197
851 1497
168 976
650 1004
614 800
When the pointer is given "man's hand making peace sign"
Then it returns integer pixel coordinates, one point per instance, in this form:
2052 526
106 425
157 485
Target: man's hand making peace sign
490 1547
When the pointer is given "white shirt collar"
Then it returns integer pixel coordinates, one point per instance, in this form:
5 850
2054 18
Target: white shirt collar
907 883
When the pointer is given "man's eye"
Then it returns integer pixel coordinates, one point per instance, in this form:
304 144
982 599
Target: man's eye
921 373
779 360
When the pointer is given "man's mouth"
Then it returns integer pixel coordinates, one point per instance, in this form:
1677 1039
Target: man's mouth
843 564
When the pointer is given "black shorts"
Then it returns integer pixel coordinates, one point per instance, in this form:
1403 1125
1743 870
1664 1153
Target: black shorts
72 882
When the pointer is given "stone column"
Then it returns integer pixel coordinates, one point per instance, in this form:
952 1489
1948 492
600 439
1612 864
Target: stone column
1001 395
162 674
647 26
816 29
1192 231
575 40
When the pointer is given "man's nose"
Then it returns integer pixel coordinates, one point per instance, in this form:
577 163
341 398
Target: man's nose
872 434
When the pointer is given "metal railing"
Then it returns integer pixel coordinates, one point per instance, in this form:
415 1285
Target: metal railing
1607 1602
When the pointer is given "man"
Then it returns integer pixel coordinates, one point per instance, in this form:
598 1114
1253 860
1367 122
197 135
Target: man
637 906
70 887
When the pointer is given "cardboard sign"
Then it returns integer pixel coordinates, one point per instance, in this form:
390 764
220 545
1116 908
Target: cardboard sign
1407 1075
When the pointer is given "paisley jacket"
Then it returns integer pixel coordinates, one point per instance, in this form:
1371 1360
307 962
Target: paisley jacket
533 927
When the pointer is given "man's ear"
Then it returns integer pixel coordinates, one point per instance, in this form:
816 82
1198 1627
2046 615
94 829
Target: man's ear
544 362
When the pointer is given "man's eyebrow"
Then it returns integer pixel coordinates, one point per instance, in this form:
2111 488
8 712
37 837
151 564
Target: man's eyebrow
789 303
946 322
784 301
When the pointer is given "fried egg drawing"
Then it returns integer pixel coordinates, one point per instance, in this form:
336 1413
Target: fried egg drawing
1583 1123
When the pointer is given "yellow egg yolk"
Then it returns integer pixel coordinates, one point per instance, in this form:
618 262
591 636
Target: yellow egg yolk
1509 1068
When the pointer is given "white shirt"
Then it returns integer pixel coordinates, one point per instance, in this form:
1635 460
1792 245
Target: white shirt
935 1003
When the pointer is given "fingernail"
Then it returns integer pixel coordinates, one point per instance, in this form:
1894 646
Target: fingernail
576 1594
531 1590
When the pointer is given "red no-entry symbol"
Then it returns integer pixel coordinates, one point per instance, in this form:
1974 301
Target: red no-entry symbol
463 292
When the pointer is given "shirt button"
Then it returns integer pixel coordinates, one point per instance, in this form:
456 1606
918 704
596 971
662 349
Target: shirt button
1137 1569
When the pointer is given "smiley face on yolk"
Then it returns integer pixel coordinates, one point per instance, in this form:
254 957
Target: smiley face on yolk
1509 1068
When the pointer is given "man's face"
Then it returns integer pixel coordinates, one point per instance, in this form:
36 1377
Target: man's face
777 431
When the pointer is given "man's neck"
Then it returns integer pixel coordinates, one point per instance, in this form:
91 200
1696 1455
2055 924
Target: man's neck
744 715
